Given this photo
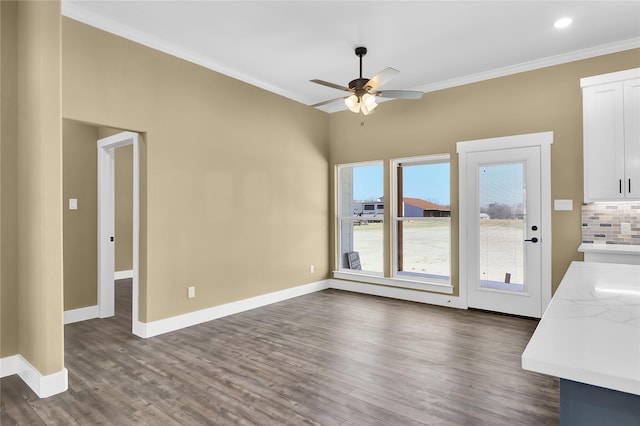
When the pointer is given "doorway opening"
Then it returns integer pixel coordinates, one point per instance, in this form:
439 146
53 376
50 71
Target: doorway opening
106 225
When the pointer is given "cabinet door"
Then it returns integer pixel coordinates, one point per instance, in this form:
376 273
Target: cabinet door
632 138
603 142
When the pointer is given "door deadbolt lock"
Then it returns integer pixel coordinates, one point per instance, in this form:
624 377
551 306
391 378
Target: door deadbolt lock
534 228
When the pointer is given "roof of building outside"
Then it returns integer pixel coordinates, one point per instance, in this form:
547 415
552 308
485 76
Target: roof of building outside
425 205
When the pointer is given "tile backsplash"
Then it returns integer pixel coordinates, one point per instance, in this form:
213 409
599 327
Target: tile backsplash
603 223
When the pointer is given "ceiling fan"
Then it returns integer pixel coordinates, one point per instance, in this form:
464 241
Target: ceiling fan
363 90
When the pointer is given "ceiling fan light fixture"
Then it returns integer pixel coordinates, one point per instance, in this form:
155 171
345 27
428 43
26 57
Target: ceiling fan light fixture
353 103
369 101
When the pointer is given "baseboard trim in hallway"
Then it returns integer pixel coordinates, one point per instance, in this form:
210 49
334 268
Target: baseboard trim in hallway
121 275
81 314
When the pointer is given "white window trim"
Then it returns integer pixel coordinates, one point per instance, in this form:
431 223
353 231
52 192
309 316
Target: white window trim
372 278
340 218
414 161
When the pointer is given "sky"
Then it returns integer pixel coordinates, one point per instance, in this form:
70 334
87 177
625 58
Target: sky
430 183
501 183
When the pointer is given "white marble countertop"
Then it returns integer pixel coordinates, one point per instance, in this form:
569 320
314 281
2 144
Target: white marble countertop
609 248
590 332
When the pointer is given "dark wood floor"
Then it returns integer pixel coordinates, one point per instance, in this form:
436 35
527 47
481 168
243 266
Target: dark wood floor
329 358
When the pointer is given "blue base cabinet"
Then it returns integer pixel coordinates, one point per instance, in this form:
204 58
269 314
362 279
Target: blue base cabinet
587 405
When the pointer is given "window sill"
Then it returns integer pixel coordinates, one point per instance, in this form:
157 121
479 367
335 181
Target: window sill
394 282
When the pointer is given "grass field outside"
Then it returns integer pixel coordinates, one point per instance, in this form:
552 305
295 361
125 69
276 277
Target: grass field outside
427 247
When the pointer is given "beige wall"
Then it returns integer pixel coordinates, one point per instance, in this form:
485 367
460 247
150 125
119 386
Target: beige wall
236 177
535 101
8 185
80 226
39 170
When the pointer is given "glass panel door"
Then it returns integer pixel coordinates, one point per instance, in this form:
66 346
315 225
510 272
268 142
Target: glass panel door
502 213
504 238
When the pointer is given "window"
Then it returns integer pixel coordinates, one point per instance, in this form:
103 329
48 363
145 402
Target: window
361 215
422 219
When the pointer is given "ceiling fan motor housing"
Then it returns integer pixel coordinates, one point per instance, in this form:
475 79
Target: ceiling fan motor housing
359 86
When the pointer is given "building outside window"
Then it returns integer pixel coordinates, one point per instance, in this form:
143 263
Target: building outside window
421 217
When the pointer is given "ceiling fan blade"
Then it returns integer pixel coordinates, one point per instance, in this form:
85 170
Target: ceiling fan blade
399 94
330 101
332 85
382 77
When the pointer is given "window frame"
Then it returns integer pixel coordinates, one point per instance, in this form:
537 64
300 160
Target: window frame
388 250
395 219
352 217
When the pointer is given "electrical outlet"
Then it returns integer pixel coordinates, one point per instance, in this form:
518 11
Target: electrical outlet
191 292
312 269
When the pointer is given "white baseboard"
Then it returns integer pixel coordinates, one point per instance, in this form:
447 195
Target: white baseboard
167 325
81 314
178 322
10 365
121 275
399 293
43 386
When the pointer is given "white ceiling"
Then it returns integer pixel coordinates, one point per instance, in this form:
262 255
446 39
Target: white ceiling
281 45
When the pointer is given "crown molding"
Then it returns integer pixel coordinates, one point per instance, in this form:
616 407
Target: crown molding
72 11
76 13
564 58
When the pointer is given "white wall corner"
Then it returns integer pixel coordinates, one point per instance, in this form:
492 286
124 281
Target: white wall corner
400 293
43 386
178 322
81 314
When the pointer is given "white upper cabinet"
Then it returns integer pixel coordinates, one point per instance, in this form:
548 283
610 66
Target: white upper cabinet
611 120
632 137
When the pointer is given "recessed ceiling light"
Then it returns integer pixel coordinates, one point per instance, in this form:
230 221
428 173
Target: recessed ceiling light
563 23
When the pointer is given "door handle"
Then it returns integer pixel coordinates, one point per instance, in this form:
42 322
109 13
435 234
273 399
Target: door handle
533 240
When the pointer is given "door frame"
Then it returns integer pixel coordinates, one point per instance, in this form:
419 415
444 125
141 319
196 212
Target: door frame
106 224
542 140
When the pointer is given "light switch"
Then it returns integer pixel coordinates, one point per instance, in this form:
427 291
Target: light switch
73 204
566 205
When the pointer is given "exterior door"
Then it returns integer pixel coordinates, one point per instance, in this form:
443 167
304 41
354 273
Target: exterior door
505 238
